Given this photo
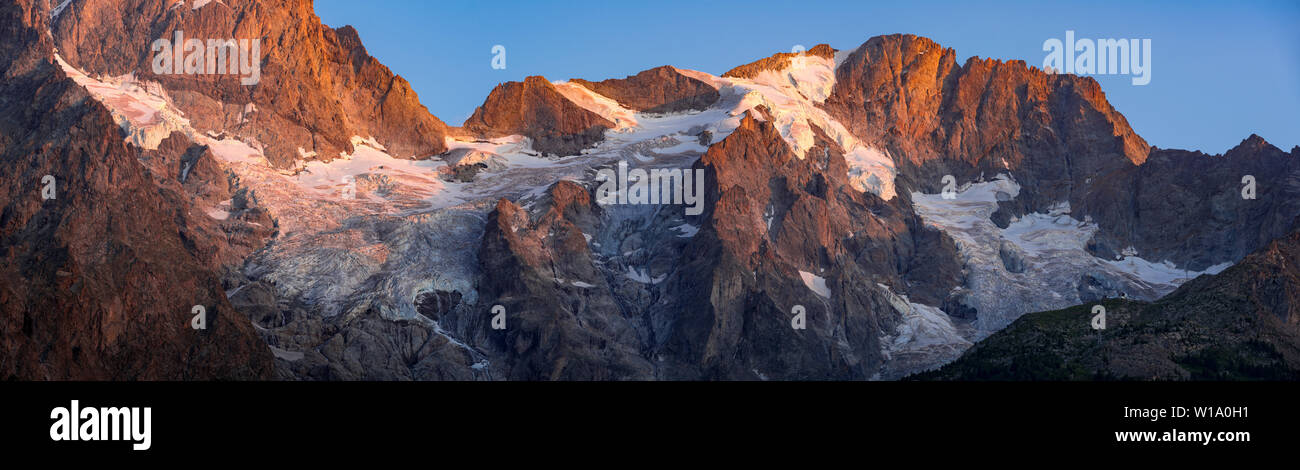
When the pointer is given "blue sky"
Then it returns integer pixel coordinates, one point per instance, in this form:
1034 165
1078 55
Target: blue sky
1220 70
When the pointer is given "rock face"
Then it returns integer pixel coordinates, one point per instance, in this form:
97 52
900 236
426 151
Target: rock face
98 282
318 87
775 229
1195 208
561 320
658 90
1051 132
1241 324
534 109
224 223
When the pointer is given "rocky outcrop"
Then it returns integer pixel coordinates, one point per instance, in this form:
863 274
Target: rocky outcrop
561 321
1013 258
361 345
223 222
658 90
778 61
99 281
534 109
1195 209
318 86
465 163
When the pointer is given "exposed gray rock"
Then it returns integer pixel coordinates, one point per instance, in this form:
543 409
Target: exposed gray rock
1013 258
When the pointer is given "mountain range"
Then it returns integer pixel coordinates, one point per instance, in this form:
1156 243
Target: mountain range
867 214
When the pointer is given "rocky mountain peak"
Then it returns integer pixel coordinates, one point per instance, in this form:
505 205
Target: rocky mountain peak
535 109
658 90
349 38
100 281
908 95
778 61
1252 145
317 88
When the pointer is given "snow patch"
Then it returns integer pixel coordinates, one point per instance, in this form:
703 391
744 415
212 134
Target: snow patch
607 108
815 283
286 354
59 9
201 3
234 151
416 178
642 276
686 230
792 96
1163 272
218 214
922 326
141 108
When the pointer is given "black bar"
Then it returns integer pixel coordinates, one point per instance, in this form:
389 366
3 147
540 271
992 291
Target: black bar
286 419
